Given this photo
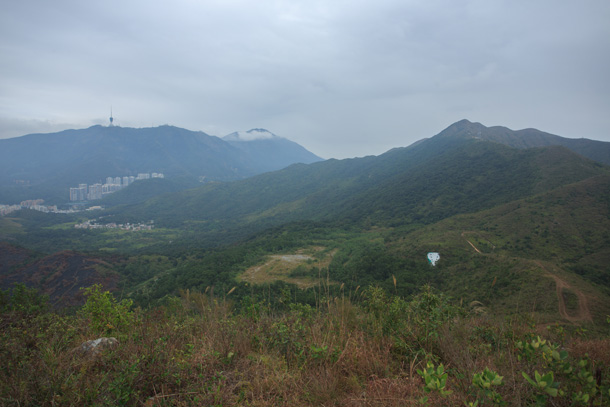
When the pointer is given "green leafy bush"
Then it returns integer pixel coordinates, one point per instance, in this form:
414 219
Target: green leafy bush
23 299
105 313
485 382
435 379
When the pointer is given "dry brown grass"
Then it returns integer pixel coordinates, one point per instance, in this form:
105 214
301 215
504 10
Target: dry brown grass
598 350
200 351
280 267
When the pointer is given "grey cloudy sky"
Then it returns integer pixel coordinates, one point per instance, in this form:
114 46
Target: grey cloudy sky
342 78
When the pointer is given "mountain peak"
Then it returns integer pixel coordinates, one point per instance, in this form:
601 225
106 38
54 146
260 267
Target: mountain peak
526 138
463 128
252 134
463 122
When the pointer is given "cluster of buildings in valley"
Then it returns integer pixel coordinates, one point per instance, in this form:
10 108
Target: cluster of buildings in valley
34 204
92 192
91 224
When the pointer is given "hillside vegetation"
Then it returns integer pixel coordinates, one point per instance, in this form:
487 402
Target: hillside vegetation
378 216
47 165
310 285
198 349
421 184
530 138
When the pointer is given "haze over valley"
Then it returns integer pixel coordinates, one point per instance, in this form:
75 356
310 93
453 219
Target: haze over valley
419 213
517 223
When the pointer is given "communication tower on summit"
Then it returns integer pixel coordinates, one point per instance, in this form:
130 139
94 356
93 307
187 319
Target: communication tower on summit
111 118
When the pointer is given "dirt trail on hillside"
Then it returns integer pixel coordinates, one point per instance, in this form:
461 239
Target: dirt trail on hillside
582 314
474 247
470 243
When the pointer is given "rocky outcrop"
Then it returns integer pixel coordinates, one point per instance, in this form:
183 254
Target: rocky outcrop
95 347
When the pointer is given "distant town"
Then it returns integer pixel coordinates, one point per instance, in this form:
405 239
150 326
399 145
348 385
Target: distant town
92 192
83 193
36 205
91 224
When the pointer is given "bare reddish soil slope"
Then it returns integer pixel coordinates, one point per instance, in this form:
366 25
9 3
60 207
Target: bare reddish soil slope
60 276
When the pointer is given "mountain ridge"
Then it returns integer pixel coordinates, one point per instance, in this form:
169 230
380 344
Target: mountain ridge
272 150
471 174
58 161
502 217
529 138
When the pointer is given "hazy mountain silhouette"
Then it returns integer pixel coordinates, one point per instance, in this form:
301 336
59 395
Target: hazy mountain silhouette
51 163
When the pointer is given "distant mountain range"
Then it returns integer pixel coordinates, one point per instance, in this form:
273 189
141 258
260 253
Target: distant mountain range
529 138
268 150
507 220
47 165
509 211
465 168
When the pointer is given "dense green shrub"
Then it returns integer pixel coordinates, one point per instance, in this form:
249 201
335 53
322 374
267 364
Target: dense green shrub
105 313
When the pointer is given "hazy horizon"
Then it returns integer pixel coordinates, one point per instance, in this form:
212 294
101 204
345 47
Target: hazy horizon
341 79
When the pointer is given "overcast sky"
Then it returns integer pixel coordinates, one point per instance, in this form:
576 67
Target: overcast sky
342 78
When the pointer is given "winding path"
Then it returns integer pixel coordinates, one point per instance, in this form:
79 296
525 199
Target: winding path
582 314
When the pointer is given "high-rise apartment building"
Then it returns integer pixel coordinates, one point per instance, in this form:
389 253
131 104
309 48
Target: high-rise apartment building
78 194
95 192
82 192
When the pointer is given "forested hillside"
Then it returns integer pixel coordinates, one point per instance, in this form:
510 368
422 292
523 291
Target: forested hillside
421 184
530 138
47 165
311 285
366 221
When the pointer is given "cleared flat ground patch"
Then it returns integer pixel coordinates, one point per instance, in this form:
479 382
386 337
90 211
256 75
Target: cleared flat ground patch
301 268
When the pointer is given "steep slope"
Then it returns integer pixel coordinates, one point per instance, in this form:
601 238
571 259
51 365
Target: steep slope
529 138
269 151
517 229
469 177
569 226
146 189
60 275
533 254
98 152
432 180
49 164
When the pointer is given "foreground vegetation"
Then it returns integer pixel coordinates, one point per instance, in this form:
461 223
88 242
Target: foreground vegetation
376 349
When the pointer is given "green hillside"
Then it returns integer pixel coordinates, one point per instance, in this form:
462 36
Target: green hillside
507 221
508 257
47 165
418 185
530 138
311 285
144 190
